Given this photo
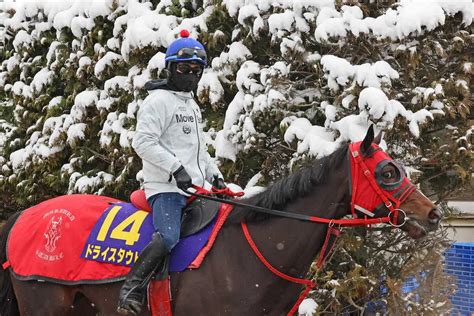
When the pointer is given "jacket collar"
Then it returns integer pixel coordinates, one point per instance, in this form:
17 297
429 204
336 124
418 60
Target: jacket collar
163 84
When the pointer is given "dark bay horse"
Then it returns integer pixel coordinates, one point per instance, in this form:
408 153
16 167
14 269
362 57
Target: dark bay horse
232 280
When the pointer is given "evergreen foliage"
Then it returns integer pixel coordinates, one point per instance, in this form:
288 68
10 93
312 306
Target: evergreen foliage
71 83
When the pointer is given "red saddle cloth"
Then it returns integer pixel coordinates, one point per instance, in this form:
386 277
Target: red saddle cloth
43 243
47 240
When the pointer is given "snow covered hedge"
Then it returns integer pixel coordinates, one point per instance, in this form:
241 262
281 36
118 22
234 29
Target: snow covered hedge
289 81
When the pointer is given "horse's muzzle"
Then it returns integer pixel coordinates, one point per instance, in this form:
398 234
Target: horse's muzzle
434 216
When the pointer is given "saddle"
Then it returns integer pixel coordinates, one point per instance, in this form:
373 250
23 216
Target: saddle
196 215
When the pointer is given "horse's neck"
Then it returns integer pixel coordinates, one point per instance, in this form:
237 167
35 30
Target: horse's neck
291 245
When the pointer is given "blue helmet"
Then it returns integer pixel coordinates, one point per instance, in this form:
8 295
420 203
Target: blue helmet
186 49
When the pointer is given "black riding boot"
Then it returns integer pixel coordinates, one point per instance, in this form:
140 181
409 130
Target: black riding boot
133 291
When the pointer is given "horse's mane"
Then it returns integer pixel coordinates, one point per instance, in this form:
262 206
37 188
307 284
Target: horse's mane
287 189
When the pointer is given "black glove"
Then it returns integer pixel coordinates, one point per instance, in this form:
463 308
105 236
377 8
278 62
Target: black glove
218 183
183 180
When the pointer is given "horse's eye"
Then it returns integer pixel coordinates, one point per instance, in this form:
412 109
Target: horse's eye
388 174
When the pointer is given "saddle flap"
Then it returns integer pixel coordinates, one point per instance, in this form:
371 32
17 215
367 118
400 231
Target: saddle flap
197 215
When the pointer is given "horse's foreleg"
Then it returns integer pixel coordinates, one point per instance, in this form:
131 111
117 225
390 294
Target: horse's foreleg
43 299
104 297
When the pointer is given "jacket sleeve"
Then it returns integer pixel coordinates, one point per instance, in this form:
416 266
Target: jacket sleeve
154 116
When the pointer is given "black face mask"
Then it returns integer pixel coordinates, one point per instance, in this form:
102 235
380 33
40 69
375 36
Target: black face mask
183 82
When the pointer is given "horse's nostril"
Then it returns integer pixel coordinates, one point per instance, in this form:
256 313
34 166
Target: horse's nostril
434 216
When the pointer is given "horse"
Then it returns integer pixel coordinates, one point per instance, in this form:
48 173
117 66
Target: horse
238 278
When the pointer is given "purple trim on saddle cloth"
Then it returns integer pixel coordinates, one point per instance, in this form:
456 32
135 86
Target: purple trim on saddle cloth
122 232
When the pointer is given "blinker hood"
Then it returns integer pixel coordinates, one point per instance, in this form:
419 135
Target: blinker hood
364 194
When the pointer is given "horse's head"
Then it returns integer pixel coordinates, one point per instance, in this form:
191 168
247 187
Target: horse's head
380 188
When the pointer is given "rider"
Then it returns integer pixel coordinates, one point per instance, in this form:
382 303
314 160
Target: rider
169 140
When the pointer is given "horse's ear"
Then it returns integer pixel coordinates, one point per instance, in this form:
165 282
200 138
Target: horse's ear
367 142
378 138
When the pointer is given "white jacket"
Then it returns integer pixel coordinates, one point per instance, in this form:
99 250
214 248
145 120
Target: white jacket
169 134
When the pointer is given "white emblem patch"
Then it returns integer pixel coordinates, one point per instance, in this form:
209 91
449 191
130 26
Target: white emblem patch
57 219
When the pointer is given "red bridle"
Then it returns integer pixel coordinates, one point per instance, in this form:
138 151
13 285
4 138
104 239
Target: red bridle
368 197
